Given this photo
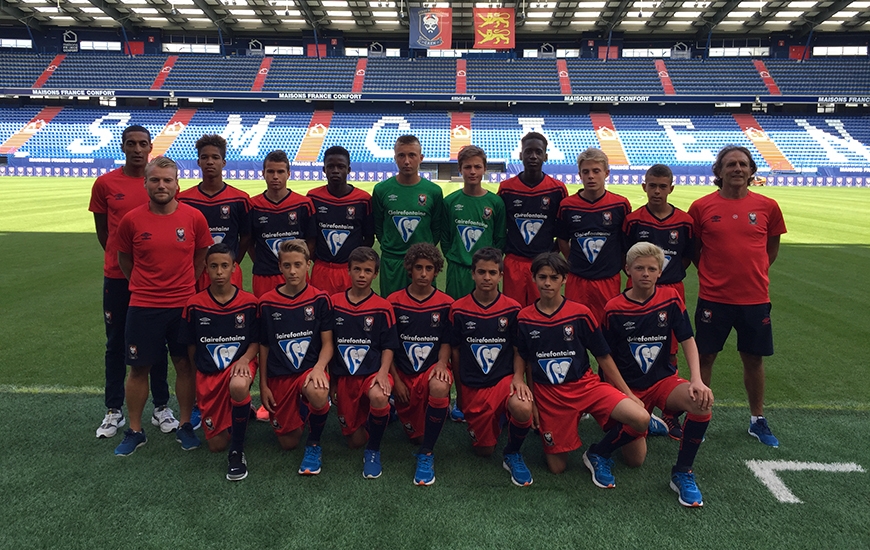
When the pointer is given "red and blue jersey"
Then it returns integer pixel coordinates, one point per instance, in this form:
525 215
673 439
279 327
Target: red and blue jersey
341 223
639 335
485 337
275 222
291 327
594 230
226 213
530 214
422 326
674 234
221 333
361 332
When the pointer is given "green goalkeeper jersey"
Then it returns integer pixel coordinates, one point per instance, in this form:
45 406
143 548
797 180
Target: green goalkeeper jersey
406 214
471 223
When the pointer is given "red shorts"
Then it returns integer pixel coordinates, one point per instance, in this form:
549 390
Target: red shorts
262 284
560 407
518 282
287 391
213 399
353 401
330 278
681 290
657 394
483 409
205 281
412 414
592 293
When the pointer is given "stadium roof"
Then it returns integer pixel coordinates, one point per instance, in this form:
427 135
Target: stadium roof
378 18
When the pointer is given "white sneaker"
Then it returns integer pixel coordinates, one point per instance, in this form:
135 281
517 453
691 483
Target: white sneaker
114 419
164 418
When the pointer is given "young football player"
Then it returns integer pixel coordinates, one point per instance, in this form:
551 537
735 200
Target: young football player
421 368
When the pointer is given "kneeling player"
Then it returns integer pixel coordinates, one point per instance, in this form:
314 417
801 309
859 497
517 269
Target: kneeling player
483 338
365 335
221 330
421 374
295 349
639 324
555 336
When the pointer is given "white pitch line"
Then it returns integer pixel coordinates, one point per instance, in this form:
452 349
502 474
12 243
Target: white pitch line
766 472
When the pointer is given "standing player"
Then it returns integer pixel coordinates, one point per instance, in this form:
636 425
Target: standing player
421 370
670 228
474 219
484 335
161 250
738 235
365 339
590 235
343 216
639 325
225 208
295 350
112 196
406 209
277 215
531 201
555 337
222 332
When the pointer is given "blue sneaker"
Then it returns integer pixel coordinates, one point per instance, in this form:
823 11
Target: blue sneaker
196 417
600 468
425 474
311 461
684 484
657 426
132 441
520 474
761 431
455 414
372 464
186 437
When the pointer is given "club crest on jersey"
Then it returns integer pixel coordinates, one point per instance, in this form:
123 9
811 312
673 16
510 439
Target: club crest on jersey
673 237
502 324
209 423
218 237
469 235
555 369
335 239
222 354
417 353
133 351
108 316
406 225
275 244
487 212
353 356
295 349
529 228
368 322
436 319
342 421
351 212
225 212
607 218
706 316
408 427
240 320
548 439
645 354
421 199
485 355
309 313
275 424
753 218
568 332
545 202
179 234
591 246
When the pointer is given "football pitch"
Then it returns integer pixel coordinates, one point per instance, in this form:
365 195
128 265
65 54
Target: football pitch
64 488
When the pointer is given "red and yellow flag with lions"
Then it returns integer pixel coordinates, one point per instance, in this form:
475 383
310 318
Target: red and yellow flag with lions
494 28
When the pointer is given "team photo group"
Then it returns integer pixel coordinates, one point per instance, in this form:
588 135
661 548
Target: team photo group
534 291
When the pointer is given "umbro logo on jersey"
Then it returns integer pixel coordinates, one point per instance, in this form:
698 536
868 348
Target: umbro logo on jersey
469 235
529 228
555 369
485 355
591 246
276 316
417 353
406 225
518 203
222 354
322 209
645 354
334 239
643 234
218 237
576 218
205 321
535 334
146 236
295 349
353 356
263 220
119 196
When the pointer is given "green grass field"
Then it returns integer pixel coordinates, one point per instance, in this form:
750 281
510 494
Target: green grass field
65 489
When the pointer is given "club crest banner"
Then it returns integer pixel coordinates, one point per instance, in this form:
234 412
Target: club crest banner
494 28
431 28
